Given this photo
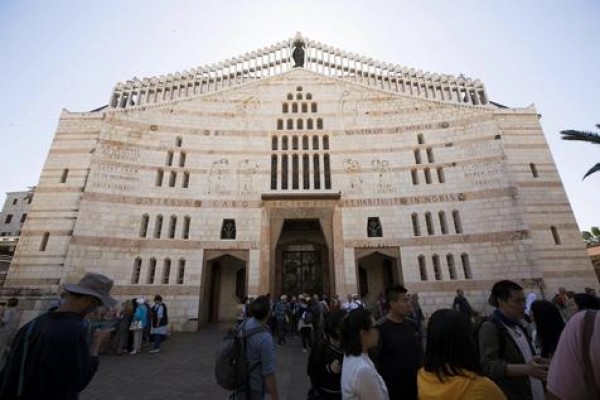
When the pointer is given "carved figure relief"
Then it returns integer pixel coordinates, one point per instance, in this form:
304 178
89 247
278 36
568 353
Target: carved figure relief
382 169
246 172
352 169
217 175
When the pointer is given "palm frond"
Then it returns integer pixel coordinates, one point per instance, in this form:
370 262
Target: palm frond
595 168
580 135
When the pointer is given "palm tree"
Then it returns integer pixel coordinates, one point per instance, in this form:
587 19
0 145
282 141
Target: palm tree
592 236
585 137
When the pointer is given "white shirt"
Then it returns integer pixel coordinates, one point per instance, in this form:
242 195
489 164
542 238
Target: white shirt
360 380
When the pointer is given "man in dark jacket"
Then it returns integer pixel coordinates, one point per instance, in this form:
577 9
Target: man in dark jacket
58 363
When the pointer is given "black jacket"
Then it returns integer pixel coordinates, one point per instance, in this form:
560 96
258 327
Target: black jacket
322 379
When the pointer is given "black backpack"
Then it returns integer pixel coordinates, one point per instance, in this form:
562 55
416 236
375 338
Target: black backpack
231 363
307 316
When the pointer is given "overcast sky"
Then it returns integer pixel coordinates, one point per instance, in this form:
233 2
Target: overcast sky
69 54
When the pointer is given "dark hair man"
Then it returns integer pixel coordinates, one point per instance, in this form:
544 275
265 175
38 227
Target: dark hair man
260 352
505 348
399 354
50 358
160 323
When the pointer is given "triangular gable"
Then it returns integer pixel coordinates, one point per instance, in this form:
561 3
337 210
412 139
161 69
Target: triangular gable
278 59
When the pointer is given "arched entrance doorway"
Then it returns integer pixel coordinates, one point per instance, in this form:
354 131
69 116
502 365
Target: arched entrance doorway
224 286
302 259
376 271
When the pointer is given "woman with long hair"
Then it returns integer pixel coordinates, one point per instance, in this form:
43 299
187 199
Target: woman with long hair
360 379
451 369
326 358
549 324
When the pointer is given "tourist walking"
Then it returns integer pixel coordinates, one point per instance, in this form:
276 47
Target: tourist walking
326 358
451 370
360 379
9 325
400 350
160 323
51 359
138 323
305 323
506 351
282 311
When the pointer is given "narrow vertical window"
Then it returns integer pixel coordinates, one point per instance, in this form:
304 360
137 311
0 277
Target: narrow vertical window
285 108
451 266
182 156
457 222
305 171
151 271
429 223
305 142
166 271
172 226
273 172
295 171
228 230
172 179
295 107
430 155
63 177
437 269
298 96
181 271
417 156
294 142
304 107
422 267
137 269
284 172
308 96
169 160
44 242
274 143
186 180
327 170
443 223
159 177
279 124
290 96
144 225
325 142
534 170
284 143
414 176
427 173
309 124
315 141
420 139
185 234
178 141
316 172
313 108
240 283
440 174
158 226
466 264
299 124
555 236
290 124
319 123
415 224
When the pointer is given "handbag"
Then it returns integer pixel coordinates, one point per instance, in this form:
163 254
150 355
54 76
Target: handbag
136 325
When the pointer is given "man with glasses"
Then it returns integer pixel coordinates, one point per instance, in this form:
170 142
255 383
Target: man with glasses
50 357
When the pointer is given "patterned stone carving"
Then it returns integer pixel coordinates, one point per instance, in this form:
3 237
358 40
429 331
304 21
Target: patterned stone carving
246 173
382 170
352 169
217 177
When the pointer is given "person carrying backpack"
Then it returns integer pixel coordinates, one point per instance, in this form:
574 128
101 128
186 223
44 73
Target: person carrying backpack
305 319
252 343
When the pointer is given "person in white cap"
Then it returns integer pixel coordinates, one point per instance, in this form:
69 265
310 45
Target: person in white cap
50 357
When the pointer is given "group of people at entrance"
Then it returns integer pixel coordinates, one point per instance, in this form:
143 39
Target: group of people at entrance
523 350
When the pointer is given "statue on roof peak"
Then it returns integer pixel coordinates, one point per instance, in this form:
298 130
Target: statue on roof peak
298 53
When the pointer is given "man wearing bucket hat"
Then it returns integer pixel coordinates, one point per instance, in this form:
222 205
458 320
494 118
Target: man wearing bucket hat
50 357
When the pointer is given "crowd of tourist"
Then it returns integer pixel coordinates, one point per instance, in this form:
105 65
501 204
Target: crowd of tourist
524 348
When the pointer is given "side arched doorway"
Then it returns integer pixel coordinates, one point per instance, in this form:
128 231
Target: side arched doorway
224 285
376 270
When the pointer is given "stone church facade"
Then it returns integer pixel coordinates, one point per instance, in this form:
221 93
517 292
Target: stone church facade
298 168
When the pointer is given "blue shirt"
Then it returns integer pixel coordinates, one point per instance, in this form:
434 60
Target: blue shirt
260 351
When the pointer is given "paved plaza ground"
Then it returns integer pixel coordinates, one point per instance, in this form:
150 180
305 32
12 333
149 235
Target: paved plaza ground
184 369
